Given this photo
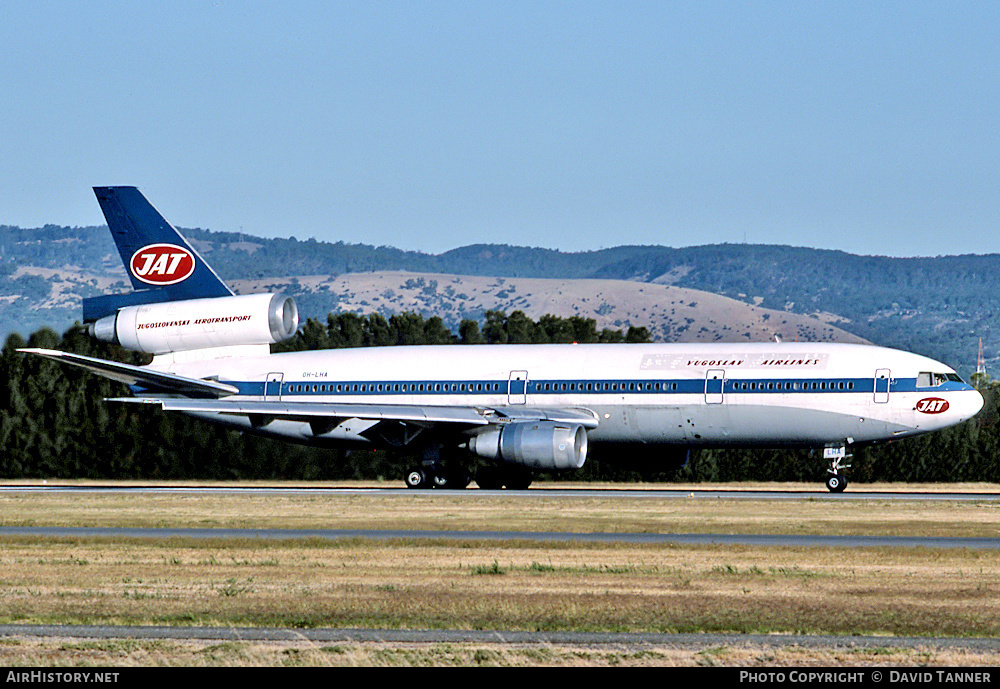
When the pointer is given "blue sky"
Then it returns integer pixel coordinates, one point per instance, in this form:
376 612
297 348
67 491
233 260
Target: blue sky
868 127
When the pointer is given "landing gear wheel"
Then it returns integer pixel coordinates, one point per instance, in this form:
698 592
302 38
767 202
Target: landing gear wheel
442 479
509 477
517 479
446 478
459 479
489 478
416 478
836 483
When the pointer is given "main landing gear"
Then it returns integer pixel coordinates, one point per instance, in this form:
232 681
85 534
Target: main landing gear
439 467
497 476
487 477
436 476
836 482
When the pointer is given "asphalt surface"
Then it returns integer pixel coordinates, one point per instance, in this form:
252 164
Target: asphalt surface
830 541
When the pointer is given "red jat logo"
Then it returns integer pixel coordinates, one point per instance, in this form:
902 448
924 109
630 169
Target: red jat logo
162 264
932 405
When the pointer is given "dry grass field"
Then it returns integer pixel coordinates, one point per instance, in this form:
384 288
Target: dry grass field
500 585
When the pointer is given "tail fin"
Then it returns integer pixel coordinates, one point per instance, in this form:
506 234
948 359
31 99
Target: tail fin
161 264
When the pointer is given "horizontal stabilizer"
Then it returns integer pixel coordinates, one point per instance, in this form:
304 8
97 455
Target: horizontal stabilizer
95 308
139 375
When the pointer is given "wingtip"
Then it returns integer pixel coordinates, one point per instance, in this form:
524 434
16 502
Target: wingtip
40 350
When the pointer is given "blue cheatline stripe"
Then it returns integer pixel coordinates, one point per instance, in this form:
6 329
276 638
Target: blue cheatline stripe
541 388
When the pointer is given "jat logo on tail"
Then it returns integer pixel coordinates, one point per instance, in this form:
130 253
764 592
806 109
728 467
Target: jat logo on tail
162 264
932 405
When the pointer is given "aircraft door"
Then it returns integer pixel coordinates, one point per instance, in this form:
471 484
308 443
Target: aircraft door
882 386
272 387
517 386
660 424
714 380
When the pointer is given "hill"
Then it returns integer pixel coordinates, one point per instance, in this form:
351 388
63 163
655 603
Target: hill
936 306
672 314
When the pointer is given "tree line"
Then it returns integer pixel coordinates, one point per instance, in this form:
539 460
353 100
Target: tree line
54 422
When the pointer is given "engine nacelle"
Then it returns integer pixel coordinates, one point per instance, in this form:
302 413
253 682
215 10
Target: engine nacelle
534 444
179 326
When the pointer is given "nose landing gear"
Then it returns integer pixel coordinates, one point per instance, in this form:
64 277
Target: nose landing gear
836 482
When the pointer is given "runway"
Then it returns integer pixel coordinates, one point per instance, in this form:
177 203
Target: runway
652 493
764 540
760 540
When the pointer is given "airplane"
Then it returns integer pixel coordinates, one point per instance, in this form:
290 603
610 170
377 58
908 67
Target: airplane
512 409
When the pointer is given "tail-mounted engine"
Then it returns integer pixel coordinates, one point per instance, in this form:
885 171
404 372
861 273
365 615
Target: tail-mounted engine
178 326
537 444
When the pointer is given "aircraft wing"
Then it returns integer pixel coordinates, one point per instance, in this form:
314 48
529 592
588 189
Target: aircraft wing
139 375
419 415
204 396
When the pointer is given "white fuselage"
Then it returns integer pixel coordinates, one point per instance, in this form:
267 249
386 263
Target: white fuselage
780 394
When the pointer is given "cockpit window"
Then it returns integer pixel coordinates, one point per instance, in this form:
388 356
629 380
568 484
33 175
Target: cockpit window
926 379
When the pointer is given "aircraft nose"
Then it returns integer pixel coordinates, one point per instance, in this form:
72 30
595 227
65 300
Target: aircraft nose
971 404
980 401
